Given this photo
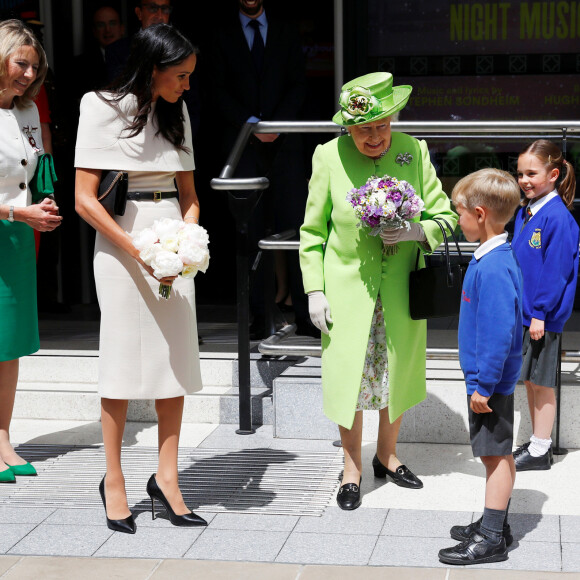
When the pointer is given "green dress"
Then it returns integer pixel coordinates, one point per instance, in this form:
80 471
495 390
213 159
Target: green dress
18 311
20 143
346 263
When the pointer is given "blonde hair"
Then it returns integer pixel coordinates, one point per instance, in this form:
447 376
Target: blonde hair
550 155
14 34
494 189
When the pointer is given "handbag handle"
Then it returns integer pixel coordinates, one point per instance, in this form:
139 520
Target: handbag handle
438 221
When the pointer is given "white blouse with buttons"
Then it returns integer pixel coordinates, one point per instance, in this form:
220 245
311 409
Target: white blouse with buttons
20 146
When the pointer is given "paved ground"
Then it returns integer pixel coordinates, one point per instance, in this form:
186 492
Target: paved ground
395 527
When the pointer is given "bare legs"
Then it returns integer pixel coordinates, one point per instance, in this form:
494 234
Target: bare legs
8 382
542 404
169 414
500 473
387 440
351 440
113 418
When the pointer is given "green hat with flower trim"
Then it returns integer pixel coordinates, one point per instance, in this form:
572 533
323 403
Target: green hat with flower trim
370 98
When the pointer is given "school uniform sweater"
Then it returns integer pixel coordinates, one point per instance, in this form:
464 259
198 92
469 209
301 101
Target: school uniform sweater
490 323
547 251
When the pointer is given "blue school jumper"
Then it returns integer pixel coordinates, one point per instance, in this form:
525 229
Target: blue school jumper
547 251
490 323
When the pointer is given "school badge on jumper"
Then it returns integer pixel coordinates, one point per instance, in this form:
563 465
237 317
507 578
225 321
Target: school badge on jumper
536 239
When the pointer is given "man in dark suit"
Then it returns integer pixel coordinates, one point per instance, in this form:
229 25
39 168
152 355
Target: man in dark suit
107 29
257 72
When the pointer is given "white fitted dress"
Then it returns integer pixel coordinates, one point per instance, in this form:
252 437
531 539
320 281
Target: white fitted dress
148 345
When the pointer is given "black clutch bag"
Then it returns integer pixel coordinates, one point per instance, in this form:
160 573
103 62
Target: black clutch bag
113 191
435 290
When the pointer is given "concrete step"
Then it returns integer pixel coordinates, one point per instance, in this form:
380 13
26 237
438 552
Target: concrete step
441 418
57 384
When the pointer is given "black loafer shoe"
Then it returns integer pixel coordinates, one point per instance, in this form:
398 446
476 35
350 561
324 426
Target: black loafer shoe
402 476
477 550
526 462
348 496
463 533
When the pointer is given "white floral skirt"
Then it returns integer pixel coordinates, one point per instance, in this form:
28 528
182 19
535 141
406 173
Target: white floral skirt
374 386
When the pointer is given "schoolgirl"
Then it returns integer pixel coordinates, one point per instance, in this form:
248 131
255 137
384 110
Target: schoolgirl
545 241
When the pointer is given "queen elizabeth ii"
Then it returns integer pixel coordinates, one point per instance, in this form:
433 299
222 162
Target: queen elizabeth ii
373 353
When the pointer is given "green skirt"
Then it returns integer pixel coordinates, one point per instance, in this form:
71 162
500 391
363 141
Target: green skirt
18 310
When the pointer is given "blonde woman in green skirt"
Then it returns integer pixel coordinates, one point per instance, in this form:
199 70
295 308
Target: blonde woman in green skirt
22 70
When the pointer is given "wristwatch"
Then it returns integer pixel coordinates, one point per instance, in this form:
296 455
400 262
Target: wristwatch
11 214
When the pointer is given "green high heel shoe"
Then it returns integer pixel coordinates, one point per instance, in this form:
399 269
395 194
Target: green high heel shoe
7 476
26 469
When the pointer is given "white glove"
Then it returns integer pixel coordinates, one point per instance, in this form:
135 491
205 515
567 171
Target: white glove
319 310
413 231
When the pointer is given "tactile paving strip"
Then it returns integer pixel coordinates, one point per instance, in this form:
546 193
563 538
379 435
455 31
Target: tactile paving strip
213 480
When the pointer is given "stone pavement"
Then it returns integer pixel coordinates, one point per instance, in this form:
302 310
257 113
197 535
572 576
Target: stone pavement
396 531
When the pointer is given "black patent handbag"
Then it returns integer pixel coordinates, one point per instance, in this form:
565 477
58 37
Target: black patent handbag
113 191
435 290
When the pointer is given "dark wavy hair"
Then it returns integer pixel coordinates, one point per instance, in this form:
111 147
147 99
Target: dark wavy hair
159 46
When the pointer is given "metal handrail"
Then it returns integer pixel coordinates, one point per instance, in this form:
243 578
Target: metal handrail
461 127
457 129
277 242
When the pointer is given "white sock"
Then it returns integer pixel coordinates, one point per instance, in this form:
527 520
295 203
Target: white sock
538 446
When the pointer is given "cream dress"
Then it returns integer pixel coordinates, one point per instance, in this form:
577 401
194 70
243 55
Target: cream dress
148 345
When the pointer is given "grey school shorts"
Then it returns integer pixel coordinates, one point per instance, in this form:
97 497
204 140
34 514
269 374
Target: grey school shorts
540 364
492 433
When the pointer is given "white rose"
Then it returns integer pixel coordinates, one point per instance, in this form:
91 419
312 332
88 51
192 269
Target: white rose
190 253
167 226
194 233
170 242
381 197
144 238
189 271
149 253
166 263
203 265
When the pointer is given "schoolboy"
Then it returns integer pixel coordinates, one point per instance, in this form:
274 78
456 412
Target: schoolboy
490 354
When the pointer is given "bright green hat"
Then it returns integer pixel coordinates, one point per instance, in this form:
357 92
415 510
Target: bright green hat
370 98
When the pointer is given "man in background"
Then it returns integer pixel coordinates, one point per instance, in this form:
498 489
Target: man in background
107 29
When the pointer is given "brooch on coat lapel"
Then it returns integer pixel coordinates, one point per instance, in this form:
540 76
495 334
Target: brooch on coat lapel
404 158
28 130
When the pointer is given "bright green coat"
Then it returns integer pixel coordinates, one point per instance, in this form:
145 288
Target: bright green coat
352 269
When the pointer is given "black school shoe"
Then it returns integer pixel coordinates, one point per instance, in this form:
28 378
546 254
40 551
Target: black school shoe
525 446
526 462
477 550
463 533
348 496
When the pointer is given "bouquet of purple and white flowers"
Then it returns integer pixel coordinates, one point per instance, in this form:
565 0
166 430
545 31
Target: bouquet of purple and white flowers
173 247
385 203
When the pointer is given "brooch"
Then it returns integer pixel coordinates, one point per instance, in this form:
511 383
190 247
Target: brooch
28 130
404 158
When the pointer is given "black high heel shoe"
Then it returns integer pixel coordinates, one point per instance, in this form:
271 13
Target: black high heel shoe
155 492
403 476
127 526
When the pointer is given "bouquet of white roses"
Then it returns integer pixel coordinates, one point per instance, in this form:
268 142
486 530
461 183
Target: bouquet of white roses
173 247
385 203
